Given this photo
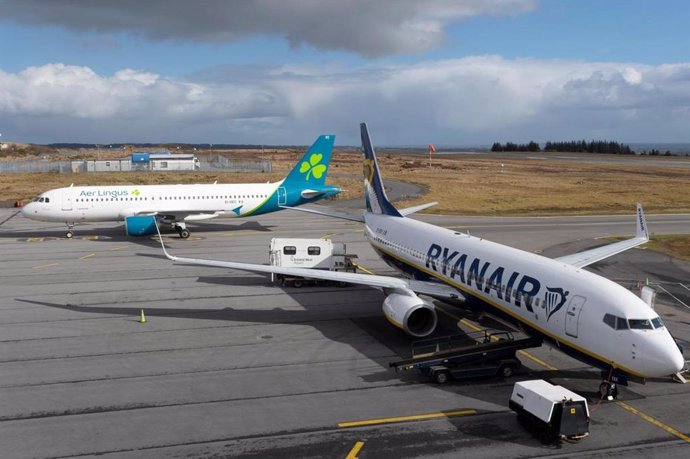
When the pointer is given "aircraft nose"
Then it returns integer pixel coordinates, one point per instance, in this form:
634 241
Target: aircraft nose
27 209
663 356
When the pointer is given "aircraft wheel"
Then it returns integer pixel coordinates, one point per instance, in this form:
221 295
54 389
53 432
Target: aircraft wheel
184 233
297 283
441 377
69 235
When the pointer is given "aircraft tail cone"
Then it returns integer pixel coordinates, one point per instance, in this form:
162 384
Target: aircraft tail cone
142 319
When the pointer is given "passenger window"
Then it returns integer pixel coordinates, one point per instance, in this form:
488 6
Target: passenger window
289 250
314 250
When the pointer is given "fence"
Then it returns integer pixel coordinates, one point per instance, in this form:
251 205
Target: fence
219 163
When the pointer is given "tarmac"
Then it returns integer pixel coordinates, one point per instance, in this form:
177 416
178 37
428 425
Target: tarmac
228 364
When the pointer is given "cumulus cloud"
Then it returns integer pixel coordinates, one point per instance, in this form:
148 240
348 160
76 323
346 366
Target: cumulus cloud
370 28
474 100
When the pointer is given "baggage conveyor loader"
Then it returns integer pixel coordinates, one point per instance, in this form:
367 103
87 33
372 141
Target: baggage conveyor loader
475 354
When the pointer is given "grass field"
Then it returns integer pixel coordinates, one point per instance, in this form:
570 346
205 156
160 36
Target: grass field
462 185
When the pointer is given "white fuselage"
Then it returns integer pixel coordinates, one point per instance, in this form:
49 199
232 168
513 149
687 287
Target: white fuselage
114 203
564 304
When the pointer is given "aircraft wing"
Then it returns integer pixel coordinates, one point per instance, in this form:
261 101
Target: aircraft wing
182 215
588 257
328 212
433 289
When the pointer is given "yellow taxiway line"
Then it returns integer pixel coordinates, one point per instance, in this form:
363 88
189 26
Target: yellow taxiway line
355 450
654 421
45 266
87 256
415 417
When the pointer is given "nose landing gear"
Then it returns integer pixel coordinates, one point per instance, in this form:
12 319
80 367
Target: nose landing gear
608 390
70 233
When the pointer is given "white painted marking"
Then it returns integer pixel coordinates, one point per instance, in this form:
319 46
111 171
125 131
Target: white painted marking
673 296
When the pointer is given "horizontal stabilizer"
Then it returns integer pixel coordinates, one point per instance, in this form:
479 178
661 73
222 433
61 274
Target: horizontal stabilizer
411 210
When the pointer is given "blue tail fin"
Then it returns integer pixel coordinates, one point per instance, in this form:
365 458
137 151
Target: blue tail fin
312 169
374 193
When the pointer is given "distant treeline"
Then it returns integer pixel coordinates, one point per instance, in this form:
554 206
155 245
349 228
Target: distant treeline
594 146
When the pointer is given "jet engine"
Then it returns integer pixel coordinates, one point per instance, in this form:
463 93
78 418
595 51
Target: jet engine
411 313
140 225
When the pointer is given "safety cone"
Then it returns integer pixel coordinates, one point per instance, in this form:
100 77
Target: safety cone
142 319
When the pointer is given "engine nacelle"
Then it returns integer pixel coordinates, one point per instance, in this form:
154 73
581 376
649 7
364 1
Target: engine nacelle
411 313
139 225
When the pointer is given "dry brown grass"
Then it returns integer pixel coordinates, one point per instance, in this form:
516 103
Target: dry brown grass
675 245
462 185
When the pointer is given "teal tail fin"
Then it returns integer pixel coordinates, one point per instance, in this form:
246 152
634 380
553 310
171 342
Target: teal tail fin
312 169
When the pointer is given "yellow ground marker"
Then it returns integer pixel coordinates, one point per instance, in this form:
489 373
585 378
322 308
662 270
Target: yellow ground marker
355 450
87 256
45 266
118 248
142 319
360 267
415 417
34 239
654 421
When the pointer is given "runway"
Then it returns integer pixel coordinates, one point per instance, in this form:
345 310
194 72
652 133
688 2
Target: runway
230 365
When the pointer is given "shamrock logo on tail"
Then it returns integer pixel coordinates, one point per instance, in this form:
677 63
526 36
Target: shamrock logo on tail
312 167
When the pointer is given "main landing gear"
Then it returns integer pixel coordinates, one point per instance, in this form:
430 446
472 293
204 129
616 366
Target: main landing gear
182 230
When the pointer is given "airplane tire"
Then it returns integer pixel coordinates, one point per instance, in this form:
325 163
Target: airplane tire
297 283
69 235
184 233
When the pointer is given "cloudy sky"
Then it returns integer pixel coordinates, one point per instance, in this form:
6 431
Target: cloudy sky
450 72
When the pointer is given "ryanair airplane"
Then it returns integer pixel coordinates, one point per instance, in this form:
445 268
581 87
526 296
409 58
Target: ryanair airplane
582 314
140 206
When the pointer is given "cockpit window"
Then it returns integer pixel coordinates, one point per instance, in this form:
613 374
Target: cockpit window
640 324
621 324
40 199
47 200
657 322
617 323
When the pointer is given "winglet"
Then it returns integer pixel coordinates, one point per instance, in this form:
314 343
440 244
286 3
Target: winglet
167 255
641 223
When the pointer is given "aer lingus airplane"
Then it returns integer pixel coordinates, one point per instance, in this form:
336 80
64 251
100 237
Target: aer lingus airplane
176 205
584 315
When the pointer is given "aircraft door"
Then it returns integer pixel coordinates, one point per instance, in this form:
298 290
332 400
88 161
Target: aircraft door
67 199
282 196
572 315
